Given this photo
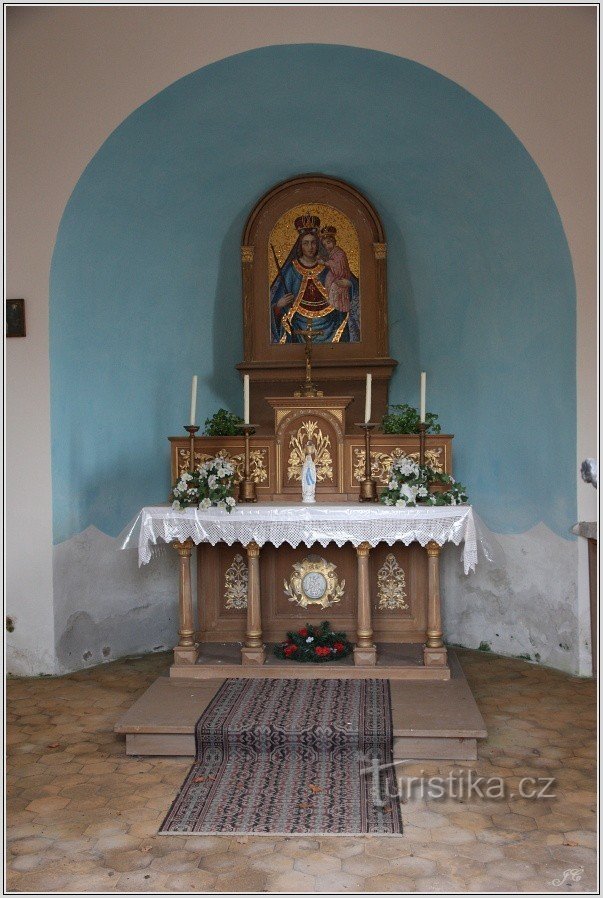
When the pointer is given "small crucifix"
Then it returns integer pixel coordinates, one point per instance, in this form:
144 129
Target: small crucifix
308 388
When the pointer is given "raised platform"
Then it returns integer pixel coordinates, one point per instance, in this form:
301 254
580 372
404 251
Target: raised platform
431 720
394 662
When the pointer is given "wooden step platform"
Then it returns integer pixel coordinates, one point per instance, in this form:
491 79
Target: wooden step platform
432 720
395 661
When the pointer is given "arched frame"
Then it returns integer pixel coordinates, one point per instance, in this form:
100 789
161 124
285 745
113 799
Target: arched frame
309 190
340 368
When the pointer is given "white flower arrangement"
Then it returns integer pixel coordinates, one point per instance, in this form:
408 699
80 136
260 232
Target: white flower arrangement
409 484
211 485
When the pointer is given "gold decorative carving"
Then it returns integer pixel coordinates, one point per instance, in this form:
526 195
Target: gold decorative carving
258 470
236 581
247 253
433 548
380 250
314 582
310 432
391 581
253 550
381 462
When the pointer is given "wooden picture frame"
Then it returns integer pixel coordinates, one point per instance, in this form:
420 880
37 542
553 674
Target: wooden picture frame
272 262
15 317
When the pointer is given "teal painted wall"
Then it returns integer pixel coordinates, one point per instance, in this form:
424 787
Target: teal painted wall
145 281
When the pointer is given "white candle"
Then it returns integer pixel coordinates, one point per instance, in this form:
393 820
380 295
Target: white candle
246 398
423 390
368 398
193 400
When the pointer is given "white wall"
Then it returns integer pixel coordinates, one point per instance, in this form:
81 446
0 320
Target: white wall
74 73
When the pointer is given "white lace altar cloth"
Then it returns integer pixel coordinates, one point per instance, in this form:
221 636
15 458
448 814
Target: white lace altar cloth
308 524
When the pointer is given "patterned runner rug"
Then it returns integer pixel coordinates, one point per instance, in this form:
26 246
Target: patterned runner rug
291 756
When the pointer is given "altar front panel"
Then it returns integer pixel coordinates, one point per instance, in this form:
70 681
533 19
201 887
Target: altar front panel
398 588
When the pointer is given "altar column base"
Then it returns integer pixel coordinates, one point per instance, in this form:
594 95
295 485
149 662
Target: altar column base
254 650
434 651
186 652
365 651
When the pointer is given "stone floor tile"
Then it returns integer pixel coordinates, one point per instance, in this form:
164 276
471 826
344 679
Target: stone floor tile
175 862
513 870
452 835
440 883
318 861
224 862
365 864
388 882
47 806
291 882
272 863
242 881
300 847
151 881
413 867
126 861
339 882
29 846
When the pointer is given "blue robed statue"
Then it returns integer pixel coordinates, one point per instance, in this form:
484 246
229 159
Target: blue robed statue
305 292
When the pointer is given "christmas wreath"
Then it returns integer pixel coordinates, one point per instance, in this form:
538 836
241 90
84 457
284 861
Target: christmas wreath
314 644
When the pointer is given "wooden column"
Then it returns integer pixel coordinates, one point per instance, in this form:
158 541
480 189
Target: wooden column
365 652
254 651
434 651
186 651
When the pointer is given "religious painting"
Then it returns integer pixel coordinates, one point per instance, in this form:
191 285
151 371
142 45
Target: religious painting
314 276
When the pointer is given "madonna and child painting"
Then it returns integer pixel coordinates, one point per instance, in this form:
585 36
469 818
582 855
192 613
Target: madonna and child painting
314 277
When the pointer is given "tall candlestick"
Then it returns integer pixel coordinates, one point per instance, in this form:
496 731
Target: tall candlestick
193 399
423 390
368 398
246 398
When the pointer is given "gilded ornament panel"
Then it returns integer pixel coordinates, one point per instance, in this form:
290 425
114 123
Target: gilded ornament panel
236 580
258 462
381 462
391 583
314 581
310 432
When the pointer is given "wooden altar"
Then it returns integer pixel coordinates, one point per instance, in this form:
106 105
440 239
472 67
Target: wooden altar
385 596
391 593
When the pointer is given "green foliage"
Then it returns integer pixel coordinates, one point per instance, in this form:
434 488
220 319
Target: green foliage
409 484
210 485
316 644
484 647
406 419
223 424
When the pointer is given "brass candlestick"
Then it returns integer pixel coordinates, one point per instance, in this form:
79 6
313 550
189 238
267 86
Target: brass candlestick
422 430
368 486
192 430
247 488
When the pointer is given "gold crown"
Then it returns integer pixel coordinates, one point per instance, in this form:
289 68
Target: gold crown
328 231
307 222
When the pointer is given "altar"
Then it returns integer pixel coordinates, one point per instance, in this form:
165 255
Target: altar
373 533
288 552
